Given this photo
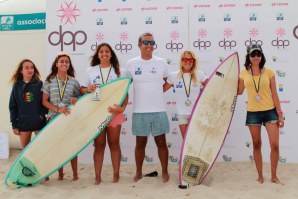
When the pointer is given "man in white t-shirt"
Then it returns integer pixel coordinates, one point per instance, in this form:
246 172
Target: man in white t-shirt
149 112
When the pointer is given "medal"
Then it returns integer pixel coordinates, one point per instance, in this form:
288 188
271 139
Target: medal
187 102
61 90
257 97
187 91
61 105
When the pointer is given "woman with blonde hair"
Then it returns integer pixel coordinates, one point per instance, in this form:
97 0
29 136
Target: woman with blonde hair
187 83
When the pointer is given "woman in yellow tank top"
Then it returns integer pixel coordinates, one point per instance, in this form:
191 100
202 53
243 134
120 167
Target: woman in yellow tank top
263 107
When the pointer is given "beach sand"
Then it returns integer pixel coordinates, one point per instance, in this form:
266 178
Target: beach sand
233 180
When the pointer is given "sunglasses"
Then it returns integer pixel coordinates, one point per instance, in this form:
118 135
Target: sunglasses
190 60
146 42
256 53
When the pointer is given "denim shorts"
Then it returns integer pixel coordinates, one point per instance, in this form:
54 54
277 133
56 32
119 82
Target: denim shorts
261 117
144 124
183 119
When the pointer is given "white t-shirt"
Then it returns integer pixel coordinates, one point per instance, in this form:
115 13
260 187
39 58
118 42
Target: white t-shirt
94 76
180 91
148 79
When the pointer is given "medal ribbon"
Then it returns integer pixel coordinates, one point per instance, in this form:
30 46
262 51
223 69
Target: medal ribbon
252 74
107 76
187 91
61 87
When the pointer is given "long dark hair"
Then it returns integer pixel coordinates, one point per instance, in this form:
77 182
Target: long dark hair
247 63
54 69
18 75
114 60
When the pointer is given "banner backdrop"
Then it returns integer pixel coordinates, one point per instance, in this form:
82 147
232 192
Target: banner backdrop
212 29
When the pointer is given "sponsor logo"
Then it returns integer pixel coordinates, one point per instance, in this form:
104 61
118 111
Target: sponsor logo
247 144
148 20
280 73
278 42
201 18
227 17
68 12
201 44
174 19
148 159
252 17
280 87
124 158
67 38
173 159
226 158
174 46
227 43
122 46
99 21
123 21
282 160
7 22
279 16
174 117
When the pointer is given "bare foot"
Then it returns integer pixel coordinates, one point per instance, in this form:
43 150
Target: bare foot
116 178
60 177
276 180
165 177
261 180
97 180
137 177
75 177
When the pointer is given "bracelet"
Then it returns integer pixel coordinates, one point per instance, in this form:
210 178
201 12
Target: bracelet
279 112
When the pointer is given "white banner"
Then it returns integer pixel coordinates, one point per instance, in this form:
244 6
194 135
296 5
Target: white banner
212 29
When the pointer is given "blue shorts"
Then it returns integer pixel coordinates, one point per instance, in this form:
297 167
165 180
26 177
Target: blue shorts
144 124
261 117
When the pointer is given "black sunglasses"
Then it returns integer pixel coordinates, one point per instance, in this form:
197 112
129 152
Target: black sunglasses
256 53
146 42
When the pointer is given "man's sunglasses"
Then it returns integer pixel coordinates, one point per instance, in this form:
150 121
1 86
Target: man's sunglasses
256 53
146 42
190 60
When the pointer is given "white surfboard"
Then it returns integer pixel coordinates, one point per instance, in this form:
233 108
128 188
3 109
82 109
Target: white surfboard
209 123
65 136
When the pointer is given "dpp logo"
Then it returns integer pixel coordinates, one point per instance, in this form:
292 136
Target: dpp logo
251 41
123 47
201 44
278 42
67 38
227 43
174 46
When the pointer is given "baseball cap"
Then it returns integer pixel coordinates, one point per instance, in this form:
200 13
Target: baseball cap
254 47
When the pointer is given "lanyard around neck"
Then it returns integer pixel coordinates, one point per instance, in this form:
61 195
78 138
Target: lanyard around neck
62 87
187 91
256 88
107 76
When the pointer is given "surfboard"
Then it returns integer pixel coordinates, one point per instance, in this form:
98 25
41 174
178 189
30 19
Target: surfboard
209 123
66 136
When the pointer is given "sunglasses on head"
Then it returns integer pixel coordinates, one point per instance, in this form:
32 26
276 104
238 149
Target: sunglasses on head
190 60
146 42
256 53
